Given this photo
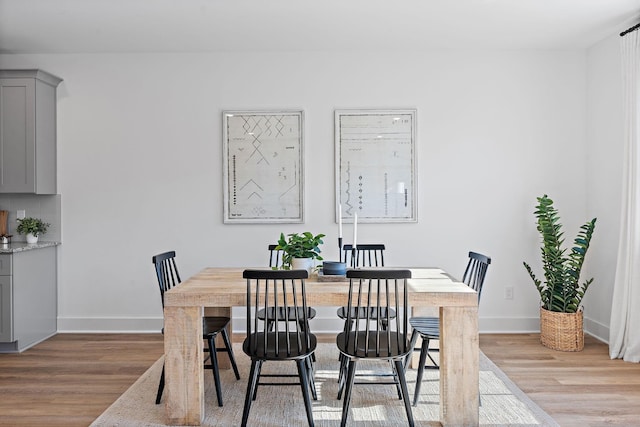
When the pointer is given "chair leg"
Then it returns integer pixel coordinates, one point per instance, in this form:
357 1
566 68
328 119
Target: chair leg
259 369
395 379
435 365
214 367
347 394
342 374
412 344
311 375
160 387
251 384
304 382
405 392
232 359
423 359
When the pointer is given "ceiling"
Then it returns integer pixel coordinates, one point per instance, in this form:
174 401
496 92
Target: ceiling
86 26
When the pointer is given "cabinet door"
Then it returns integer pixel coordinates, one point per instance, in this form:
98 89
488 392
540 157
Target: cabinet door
17 135
6 310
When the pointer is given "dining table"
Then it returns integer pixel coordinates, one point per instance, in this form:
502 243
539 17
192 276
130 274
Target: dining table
218 289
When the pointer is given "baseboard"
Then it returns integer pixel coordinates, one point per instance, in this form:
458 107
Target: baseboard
16 347
597 330
327 323
109 324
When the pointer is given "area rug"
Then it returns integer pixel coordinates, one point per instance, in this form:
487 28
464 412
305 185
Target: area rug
502 403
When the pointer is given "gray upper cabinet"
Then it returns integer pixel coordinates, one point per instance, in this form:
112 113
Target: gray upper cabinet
28 131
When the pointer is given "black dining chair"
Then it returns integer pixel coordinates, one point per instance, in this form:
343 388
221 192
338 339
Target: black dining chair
275 261
366 255
168 277
376 292
428 328
288 341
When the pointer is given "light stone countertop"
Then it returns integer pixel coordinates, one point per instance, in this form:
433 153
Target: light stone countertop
13 247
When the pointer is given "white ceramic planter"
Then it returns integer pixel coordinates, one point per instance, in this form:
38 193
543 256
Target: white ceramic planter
302 264
31 239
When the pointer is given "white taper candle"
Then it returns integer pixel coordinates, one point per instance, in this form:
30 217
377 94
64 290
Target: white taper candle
355 230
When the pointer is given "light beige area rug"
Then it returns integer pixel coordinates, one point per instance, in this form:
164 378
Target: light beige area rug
501 403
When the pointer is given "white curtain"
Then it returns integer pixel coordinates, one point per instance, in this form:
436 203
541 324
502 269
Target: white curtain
624 334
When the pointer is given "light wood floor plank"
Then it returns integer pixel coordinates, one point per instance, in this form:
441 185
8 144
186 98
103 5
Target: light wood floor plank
70 379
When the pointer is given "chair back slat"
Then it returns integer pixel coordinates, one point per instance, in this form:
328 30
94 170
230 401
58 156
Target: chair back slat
284 292
373 295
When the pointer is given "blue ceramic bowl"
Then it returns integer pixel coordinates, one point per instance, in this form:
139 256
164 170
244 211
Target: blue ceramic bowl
333 268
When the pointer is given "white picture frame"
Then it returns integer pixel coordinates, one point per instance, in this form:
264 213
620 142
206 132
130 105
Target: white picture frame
263 166
375 165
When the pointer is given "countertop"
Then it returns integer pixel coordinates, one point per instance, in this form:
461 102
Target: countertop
14 247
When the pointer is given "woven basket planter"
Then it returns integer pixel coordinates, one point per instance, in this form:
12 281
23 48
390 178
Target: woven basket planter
562 331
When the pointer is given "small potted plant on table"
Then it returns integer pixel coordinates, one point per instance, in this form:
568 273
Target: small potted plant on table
32 227
300 250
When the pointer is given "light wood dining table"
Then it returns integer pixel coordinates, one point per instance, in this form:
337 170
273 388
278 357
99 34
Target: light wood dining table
219 289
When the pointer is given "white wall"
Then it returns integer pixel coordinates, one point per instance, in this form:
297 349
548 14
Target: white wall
139 161
605 150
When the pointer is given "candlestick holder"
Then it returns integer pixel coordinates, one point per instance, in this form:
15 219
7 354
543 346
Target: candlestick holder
354 257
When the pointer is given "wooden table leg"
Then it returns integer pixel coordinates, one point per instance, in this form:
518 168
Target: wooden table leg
459 366
184 374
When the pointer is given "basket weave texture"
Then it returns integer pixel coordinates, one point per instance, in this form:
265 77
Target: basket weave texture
562 331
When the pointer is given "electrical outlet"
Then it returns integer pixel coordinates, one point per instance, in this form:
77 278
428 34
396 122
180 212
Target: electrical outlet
21 214
508 292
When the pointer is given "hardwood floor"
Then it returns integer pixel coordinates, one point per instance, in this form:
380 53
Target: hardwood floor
581 389
70 379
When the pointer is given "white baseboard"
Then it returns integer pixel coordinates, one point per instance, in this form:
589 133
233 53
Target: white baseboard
597 330
109 324
321 324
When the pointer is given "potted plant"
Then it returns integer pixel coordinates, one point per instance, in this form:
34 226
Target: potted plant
32 227
300 246
561 292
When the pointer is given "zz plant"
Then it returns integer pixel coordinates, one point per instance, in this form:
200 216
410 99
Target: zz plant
561 290
295 245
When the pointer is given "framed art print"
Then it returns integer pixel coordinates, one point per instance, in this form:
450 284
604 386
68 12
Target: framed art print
263 166
375 171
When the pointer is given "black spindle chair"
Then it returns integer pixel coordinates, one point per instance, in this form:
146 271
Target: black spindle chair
289 340
375 292
366 255
275 262
428 328
168 277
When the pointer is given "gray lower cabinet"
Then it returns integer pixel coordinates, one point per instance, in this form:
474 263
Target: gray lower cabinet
28 298
28 131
